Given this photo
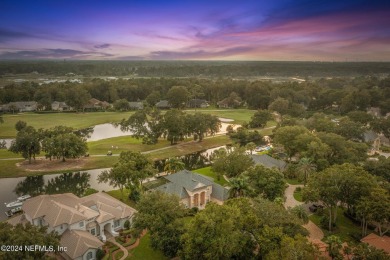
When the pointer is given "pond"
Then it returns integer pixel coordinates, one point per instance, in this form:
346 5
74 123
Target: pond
77 183
104 131
191 161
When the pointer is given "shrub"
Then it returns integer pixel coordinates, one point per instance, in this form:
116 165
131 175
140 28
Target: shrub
126 225
100 254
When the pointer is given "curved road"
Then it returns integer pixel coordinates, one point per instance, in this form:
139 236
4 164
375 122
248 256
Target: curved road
315 233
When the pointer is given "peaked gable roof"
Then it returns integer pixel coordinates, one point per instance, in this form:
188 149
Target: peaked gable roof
67 208
78 242
378 242
268 161
183 181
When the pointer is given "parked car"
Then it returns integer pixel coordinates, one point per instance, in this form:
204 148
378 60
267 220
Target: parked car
315 207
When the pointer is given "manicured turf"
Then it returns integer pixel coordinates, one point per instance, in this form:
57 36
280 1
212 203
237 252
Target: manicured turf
124 143
345 228
190 147
118 195
75 120
8 169
207 171
238 115
4 153
144 251
298 195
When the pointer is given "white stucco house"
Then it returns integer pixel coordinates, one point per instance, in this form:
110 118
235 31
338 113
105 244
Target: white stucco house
83 223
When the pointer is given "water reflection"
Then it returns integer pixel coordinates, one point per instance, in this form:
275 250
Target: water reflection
191 161
32 185
76 183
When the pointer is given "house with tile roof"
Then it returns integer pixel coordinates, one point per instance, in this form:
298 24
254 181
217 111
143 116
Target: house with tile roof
268 161
194 190
381 243
83 223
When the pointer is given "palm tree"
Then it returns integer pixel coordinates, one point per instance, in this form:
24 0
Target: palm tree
301 213
305 167
334 247
250 146
173 165
238 187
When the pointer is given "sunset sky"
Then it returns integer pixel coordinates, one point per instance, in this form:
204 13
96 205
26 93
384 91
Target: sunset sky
196 30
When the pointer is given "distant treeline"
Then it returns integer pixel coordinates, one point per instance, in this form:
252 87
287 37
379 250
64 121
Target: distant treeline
339 94
196 68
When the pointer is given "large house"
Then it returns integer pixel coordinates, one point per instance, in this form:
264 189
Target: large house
268 161
60 106
136 105
381 243
95 104
83 223
163 104
194 103
21 106
194 190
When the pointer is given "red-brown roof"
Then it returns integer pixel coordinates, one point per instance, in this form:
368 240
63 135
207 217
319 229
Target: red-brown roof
378 242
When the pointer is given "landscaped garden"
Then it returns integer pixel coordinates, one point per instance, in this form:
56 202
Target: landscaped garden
345 228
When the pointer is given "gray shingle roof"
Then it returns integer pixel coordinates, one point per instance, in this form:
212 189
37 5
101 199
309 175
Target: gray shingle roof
186 180
268 161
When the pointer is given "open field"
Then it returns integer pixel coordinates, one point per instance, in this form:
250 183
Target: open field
124 143
75 120
4 154
83 120
9 169
238 115
190 147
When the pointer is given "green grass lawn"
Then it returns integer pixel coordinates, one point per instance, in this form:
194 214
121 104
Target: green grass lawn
207 171
117 194
8 169
124 143
75 120
238 115
190 147
298 195
345 228
144 251
4 153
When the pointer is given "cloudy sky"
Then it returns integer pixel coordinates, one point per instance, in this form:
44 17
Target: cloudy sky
333 30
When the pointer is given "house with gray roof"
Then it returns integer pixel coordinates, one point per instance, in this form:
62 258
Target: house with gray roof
136 105
194 190
83 223
268 161
60 106
20 106
163 104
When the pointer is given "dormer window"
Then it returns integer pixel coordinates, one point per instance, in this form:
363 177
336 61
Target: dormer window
81 224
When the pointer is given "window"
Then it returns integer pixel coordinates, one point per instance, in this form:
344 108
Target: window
81 224
89 255
93 231
62 226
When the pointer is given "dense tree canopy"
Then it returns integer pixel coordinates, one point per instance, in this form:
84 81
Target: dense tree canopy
27 143
21 235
